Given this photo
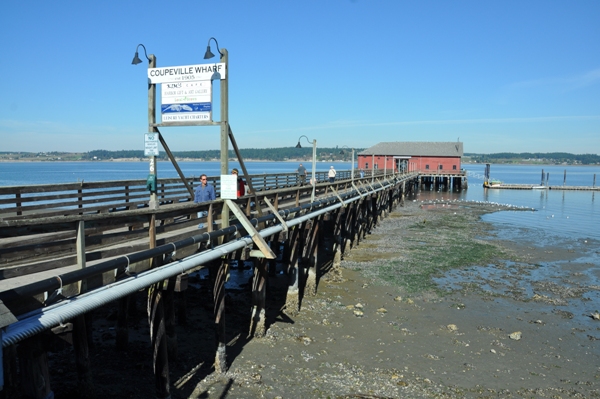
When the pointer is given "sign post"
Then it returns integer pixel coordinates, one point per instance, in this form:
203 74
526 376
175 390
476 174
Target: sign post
153 173
151 144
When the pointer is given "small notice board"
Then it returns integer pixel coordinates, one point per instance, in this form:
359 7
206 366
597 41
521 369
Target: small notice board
151 145
229 186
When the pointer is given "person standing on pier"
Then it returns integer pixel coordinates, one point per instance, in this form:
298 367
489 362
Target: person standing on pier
301 174
204 192
241 184
331 174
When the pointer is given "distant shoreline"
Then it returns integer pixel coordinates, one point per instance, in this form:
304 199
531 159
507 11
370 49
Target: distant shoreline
145 160
266 160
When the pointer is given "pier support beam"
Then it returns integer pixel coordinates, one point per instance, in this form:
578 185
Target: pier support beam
85 384
312 255
259 293
219 313
35 377
158 338
292 301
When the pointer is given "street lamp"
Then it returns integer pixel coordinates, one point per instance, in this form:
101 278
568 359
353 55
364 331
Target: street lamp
209 53
136 58
342 153
224 123
151 182
314 164
216 75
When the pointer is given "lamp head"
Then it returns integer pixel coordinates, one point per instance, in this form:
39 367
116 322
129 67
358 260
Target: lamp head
208 53
136 59
298 145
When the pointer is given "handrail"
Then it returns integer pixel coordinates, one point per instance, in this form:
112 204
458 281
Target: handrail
18 202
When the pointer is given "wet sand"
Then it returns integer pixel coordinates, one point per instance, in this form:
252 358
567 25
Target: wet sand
362 337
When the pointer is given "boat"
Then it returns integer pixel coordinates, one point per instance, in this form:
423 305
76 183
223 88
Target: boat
492 183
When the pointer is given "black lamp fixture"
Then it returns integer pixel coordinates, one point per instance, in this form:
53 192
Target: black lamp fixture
298 145
136 58
209 53
216 75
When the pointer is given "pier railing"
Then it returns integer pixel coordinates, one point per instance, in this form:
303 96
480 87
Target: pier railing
20 202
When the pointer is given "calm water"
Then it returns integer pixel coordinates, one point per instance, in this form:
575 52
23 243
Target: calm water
571 214
22 173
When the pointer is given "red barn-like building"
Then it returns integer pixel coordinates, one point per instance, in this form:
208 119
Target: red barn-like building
413 156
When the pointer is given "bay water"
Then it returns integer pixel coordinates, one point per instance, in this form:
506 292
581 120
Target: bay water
574 214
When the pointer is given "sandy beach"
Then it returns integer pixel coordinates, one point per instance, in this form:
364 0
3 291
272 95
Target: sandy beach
432 304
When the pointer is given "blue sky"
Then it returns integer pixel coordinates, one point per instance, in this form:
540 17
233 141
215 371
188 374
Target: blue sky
515 76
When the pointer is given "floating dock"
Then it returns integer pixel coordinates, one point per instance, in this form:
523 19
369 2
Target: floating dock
538 187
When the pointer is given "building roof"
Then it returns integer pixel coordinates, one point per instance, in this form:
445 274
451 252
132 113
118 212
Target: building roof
416 148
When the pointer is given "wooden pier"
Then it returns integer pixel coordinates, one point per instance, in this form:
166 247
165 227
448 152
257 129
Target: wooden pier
65 251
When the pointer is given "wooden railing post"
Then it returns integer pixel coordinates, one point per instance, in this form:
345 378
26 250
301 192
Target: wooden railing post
18 203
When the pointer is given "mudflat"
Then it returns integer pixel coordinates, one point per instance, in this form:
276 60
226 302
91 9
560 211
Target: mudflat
430 304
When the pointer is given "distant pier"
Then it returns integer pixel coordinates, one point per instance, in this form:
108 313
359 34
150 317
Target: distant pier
493 183
538 187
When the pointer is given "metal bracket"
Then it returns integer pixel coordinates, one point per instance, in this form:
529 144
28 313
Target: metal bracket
357 189
277 215
371 186
337 195
257 238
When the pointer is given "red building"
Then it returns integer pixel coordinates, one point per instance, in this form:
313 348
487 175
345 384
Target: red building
417 156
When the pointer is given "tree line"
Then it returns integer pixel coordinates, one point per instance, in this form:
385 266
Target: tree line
536 157
263 154
292 153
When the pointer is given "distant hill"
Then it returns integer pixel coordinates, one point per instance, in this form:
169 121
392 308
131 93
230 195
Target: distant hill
303 154
553 158
296 154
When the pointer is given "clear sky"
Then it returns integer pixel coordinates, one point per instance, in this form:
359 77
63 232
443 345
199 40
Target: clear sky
514 76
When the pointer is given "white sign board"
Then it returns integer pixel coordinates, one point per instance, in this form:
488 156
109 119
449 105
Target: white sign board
186 73
186 101
229 186
151 144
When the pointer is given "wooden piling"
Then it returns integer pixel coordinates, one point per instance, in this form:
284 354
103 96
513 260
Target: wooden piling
310 287
259 292
158 338
33 361
122 331
170 324
85 385
292 301
219 314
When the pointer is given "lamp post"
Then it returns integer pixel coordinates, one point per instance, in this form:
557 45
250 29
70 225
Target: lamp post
314 164
224 103
342 152
224 55
152 176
